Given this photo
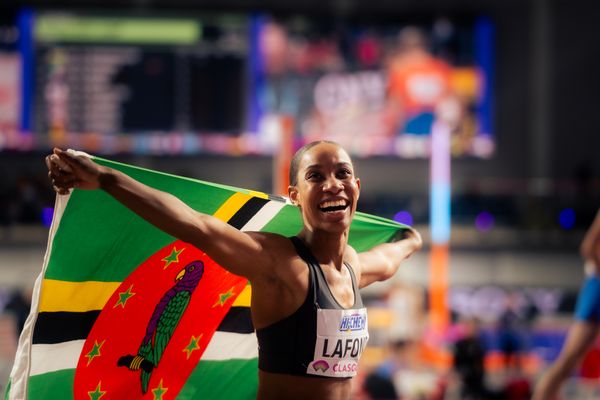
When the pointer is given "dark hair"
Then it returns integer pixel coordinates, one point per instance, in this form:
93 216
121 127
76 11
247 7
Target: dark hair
295 163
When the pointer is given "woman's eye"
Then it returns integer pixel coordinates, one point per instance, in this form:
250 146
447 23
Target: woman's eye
314 175
344 173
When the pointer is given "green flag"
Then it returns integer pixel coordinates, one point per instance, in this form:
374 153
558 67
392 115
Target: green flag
111 283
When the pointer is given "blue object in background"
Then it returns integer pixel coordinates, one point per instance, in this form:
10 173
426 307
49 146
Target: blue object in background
404 217
566 218
25 23
47 214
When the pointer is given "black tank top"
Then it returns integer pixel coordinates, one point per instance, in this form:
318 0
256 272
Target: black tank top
287 346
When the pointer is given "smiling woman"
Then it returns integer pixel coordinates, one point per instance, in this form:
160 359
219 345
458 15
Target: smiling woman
324 181
312 336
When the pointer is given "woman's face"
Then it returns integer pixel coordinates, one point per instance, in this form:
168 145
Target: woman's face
327 190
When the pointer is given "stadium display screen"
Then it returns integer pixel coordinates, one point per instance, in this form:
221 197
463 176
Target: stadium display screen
378 87
234 83
139 84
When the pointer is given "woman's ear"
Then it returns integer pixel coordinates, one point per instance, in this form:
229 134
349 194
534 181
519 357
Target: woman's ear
293 194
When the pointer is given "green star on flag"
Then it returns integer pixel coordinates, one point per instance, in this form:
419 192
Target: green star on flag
97 393
172 258
95 351
123 297
223 297
193 345
159 391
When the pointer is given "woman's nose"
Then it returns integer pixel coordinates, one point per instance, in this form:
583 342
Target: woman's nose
333 185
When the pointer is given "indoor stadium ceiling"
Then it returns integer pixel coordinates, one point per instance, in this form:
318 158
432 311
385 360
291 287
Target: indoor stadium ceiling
334 7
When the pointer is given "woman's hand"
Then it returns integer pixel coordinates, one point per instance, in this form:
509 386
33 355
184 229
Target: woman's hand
412 237
67 170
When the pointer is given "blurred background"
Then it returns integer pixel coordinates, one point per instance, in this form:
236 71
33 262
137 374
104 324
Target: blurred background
476 122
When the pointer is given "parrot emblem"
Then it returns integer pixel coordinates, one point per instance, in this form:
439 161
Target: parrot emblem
163 322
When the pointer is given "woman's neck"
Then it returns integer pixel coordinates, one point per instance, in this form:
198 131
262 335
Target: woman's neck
328 248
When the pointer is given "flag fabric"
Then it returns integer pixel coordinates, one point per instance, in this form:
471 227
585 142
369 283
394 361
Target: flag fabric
123 310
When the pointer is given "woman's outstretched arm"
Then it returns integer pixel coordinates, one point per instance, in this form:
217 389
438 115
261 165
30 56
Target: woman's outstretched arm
228 246
382 261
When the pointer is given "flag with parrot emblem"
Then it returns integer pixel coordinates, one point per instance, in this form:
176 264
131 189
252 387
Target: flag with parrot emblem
163 322
123 310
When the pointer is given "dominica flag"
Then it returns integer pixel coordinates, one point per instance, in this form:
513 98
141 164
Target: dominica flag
121 310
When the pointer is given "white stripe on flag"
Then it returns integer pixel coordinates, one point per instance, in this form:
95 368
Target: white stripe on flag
223 346
21 370
228 345
54 357
263 216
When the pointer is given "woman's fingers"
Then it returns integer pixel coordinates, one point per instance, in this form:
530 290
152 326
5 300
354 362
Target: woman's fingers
70 169
60 173
70 161
60 190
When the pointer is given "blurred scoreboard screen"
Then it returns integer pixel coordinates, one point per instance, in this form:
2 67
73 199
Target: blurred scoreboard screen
103 74
378 86
233 83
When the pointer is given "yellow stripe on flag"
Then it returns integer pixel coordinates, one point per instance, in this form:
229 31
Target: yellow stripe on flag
259 194
75 296
243 300
231 206
68 296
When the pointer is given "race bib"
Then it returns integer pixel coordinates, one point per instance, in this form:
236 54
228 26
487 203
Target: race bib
341 338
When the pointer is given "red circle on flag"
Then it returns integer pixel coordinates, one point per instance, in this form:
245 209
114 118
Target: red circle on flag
123 322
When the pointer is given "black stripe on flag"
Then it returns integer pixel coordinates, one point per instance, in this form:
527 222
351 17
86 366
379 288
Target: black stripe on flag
57 327
237 320
248 210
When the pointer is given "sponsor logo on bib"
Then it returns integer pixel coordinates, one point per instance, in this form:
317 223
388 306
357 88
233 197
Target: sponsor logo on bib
320 365
354 322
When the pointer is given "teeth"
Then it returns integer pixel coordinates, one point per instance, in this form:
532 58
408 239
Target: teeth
336 203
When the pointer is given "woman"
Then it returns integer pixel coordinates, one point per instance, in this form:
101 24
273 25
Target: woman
585 328
311 337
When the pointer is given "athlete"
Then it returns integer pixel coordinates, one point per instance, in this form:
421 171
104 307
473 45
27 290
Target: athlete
585 328
306 307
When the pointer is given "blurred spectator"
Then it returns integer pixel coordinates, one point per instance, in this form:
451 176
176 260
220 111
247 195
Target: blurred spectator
29 201
379 386
22 201
407 305
379 383
402 376
509 333
18 305
469 355
584 330
418 81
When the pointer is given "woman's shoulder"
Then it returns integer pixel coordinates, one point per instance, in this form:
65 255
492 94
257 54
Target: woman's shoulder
273 242
268 237
350 251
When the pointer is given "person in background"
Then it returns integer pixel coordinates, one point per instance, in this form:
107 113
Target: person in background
585 328
468 362
509 335
418 82
18 305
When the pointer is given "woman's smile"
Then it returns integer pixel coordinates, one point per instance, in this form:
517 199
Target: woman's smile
334 206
